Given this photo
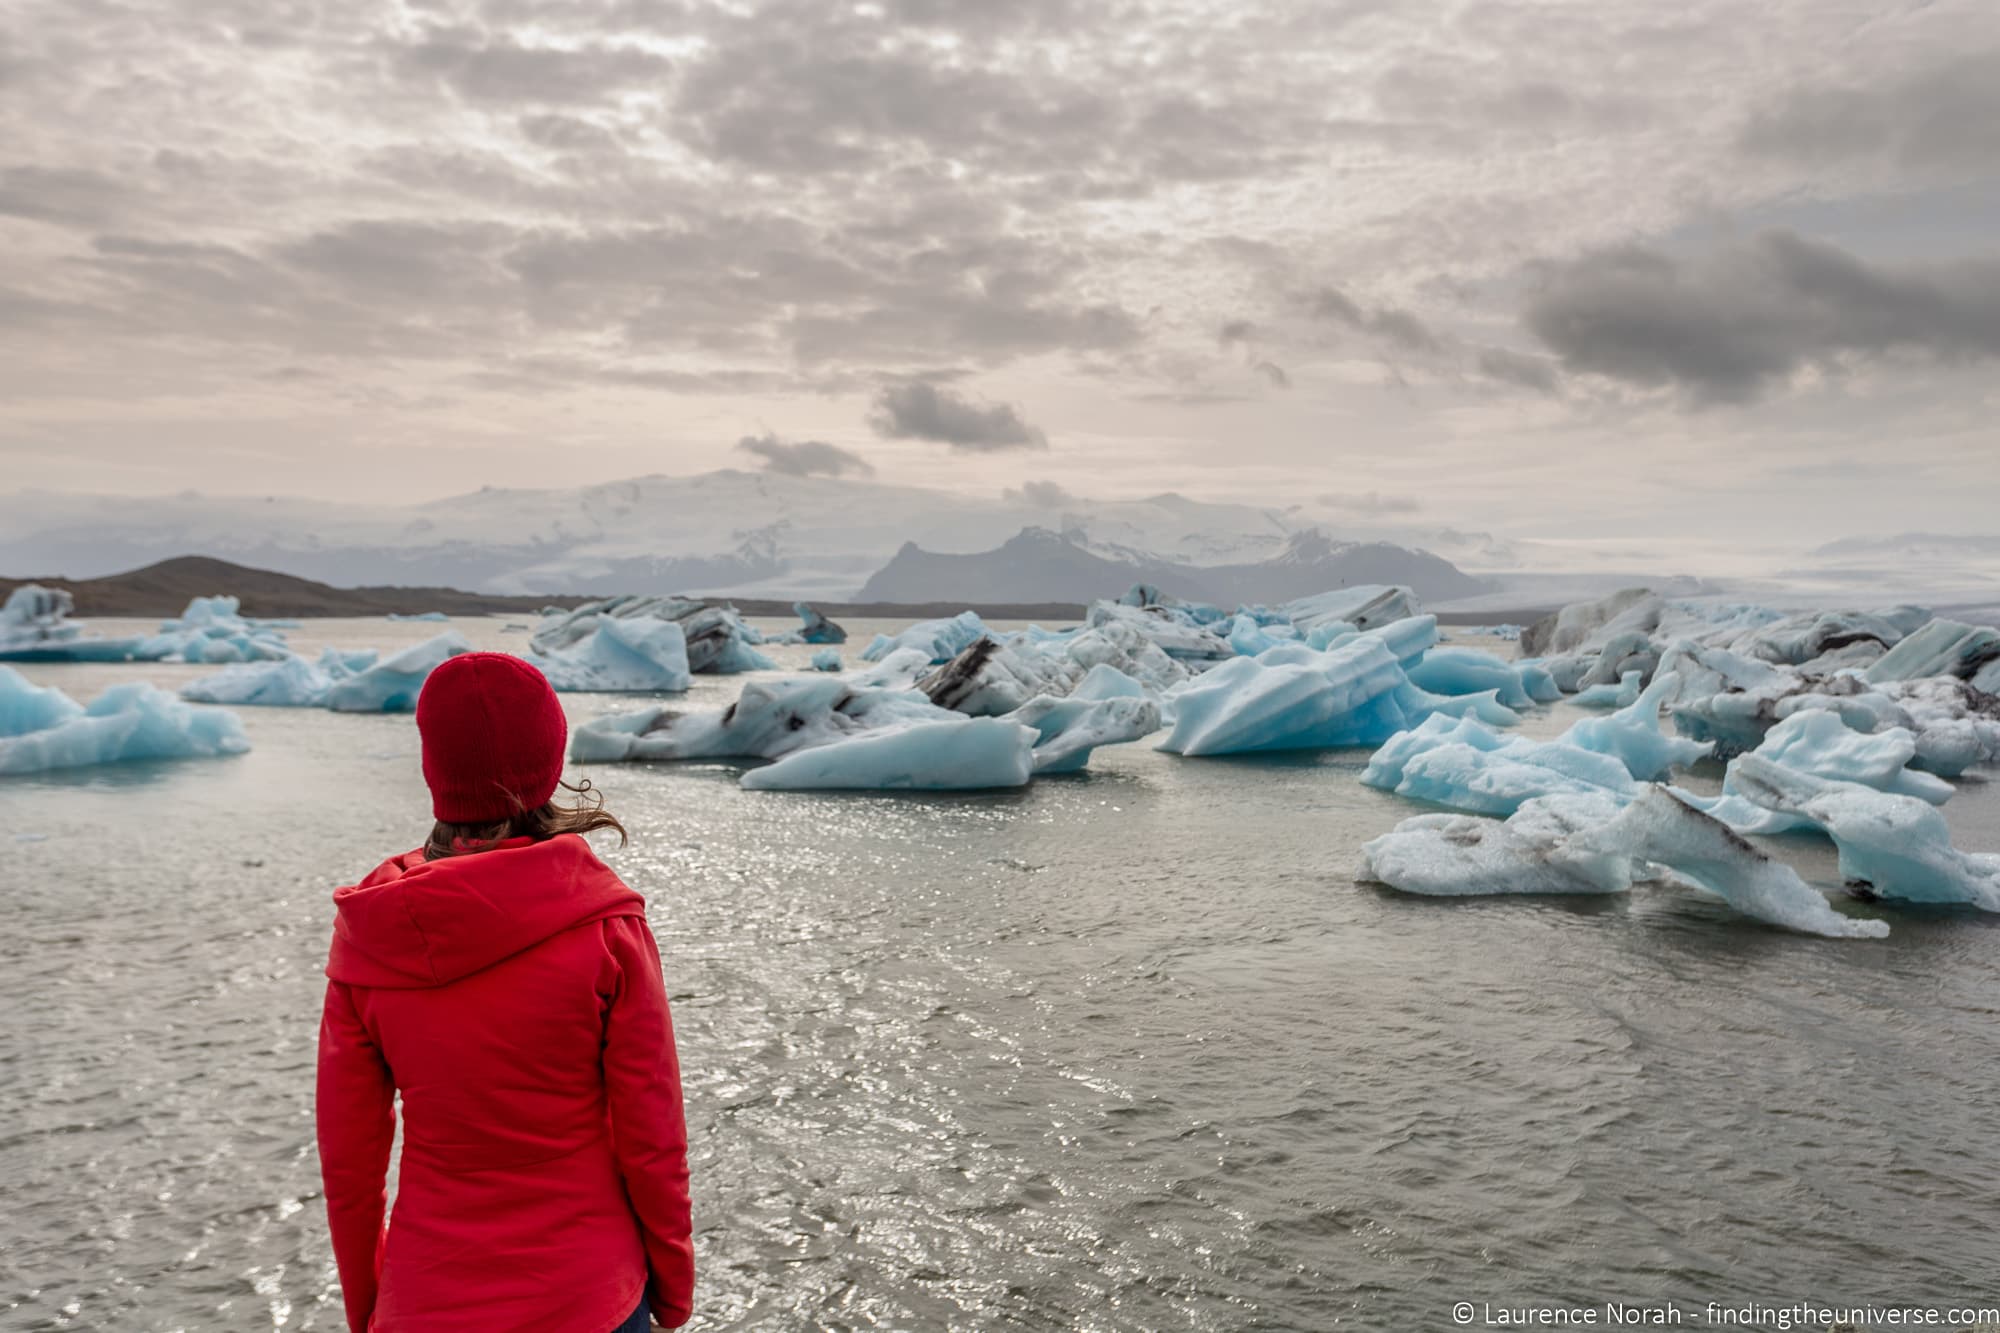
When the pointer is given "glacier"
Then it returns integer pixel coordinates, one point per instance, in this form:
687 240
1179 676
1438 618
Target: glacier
43 729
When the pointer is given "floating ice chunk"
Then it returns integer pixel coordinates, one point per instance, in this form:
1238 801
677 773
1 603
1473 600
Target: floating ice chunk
1364 606
339 662
1461 763
126 722
1409 638
25 707
1067 730
622 655
1328 633
900 669
35 627
1622 695
1469 670
941 640
770 718
422 615
964 754
1658 828
1131 653
1290 698
816 628
1822 744
1194 613
1574 627
1595 844
1945 648
718 639
290 682
1464 855
989 678
1633 735
1178 636
1485 706
211 630
826 659
392 684
1105 681
1896 846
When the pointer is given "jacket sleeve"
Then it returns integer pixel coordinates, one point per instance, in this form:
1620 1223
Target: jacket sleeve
356 1121
642 1080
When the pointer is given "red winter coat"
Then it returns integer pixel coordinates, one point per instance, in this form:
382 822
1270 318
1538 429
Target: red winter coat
513 997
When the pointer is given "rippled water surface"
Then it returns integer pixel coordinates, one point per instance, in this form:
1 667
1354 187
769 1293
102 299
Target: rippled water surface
1123 1051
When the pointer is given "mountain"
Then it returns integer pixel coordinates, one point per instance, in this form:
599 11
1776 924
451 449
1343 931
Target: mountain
1039 562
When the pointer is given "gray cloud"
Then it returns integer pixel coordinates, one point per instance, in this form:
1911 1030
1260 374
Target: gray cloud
1040 494
921 411
1274 373
484 68
1729 326
1936 117
1511 367
60 194
805 458
1395 327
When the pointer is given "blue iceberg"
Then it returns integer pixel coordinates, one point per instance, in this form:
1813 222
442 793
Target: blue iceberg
718 640
392 684
43 729
35 627
942 640
1464 764
1633 736
963 754
632 655
826 659
1584 843
421 615
1068 729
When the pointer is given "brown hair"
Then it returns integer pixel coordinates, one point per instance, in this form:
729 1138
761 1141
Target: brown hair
544 822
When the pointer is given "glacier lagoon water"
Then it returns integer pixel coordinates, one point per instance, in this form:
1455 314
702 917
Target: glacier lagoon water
1126 1050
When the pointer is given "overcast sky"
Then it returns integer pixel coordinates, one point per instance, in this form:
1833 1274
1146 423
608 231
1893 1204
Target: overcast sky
1588 268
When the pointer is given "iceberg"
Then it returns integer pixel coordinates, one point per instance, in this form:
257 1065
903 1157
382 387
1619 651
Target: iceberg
422 615
1364 606
1465 765
826 660
35 627
1171 629
770 719
1469 670
392 684
1970 653
1632 735
1068 729
1896 847
621 656
1622 695
42 729
1594 844
942 640
289 682
989 678
1823 745
816 628
212 630
718 640
1291 698
963 754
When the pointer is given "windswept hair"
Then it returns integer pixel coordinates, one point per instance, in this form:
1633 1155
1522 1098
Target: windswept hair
587 815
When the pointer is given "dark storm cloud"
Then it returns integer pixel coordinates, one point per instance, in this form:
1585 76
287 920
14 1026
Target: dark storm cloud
1939 117
805 458
921 411
1731 325
1395 327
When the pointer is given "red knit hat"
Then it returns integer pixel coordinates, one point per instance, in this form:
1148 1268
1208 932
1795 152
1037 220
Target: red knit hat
493 735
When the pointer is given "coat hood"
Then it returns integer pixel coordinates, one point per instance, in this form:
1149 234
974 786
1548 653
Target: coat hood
415 923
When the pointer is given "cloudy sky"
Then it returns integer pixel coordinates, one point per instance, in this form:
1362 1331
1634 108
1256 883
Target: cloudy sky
1556 269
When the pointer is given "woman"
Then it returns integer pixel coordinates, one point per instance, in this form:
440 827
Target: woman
503 981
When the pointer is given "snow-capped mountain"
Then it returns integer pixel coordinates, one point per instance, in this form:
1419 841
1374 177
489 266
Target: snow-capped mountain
728 532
